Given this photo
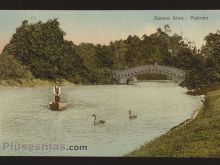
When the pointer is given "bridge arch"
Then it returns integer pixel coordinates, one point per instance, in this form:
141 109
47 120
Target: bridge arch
123 76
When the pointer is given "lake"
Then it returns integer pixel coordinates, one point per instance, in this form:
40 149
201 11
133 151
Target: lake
25 118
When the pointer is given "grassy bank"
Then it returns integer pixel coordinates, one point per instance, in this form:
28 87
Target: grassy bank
198 138
31 83
203 90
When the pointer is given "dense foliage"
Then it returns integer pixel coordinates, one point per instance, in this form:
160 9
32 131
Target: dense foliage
42 49
12 69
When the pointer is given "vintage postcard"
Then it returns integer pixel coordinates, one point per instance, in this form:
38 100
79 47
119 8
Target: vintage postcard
128 83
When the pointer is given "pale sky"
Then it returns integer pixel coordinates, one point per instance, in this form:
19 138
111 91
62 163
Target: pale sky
103 26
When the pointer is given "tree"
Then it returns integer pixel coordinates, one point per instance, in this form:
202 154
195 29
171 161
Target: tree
42 48
12 69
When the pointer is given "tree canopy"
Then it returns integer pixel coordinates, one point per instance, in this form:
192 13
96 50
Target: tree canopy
40 49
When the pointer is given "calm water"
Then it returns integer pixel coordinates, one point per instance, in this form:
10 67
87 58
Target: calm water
26 119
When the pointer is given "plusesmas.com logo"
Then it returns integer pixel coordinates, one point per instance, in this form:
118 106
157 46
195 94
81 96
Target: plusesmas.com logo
12 146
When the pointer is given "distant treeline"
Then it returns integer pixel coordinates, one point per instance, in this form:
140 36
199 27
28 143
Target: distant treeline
40 51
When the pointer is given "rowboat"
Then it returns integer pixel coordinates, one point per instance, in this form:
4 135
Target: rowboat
59 106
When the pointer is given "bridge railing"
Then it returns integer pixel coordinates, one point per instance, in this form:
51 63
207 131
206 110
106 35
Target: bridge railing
161 69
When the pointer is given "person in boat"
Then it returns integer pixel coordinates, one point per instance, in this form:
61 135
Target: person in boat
57 92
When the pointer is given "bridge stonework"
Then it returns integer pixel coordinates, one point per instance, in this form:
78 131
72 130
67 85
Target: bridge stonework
123 76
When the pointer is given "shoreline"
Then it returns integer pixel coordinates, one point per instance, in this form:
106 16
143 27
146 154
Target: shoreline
195 137
194 114
46 83
32 83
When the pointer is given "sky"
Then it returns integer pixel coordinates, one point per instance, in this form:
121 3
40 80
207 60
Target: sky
103 26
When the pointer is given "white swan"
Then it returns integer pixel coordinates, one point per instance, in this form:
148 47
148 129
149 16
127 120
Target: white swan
132 116
96 122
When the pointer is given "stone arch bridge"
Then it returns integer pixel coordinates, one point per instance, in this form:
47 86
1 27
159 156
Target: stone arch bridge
124 76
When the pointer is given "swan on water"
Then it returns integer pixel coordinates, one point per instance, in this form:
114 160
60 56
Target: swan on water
96 122
132 116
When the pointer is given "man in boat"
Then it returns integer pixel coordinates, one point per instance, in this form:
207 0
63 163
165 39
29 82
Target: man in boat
57 104
57 92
